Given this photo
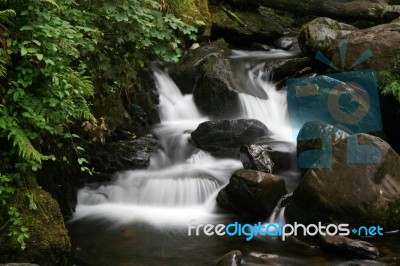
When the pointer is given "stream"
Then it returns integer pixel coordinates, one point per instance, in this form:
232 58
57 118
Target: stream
142 216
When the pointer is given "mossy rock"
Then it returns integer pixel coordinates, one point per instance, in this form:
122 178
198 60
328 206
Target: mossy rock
322 35
373 10
241 28
48 243
193 12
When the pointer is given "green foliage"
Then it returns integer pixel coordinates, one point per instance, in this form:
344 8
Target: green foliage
390 81
55 56
46 90
17 229
133 33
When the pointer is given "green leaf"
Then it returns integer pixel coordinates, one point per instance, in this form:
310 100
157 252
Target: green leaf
25 28
24 51
39 56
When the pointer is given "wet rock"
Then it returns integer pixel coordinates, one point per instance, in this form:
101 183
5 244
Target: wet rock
143 104
241 28
186 72
213 136
363 263
252 194
136 111
260 47
256 157
262 258
207 73
283 69
48 243
282 154
349 247
374 10
349 192
232 258
322 34
316 135
383 41
287 43
214 93
111 157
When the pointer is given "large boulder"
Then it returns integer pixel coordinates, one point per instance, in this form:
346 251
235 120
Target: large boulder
322 34
356 193
383 40
48 243
214 136
215 93
373 10
252 194
108 158
186 72
207 73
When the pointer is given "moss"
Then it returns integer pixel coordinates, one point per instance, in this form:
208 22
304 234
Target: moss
253 20
48 243
244 27
191 10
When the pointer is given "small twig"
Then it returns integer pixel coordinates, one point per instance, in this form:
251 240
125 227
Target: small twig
234 17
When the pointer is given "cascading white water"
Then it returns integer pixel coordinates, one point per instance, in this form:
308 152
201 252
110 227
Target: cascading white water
180 182
271 109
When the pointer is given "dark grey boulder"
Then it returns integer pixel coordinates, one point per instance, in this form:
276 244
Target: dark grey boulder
108 158
252 194
214 136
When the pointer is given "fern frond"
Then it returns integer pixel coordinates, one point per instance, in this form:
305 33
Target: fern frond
83 109
24 145
20 140
6 15
77 80
52 2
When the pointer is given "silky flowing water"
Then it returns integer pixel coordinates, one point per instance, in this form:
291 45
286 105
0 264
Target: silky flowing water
141 217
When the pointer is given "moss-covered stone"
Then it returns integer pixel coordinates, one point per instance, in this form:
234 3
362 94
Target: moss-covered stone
374 10
48 243
192 12
241 28
322 34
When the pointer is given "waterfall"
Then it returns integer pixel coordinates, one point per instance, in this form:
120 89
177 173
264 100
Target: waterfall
182 182
270 105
